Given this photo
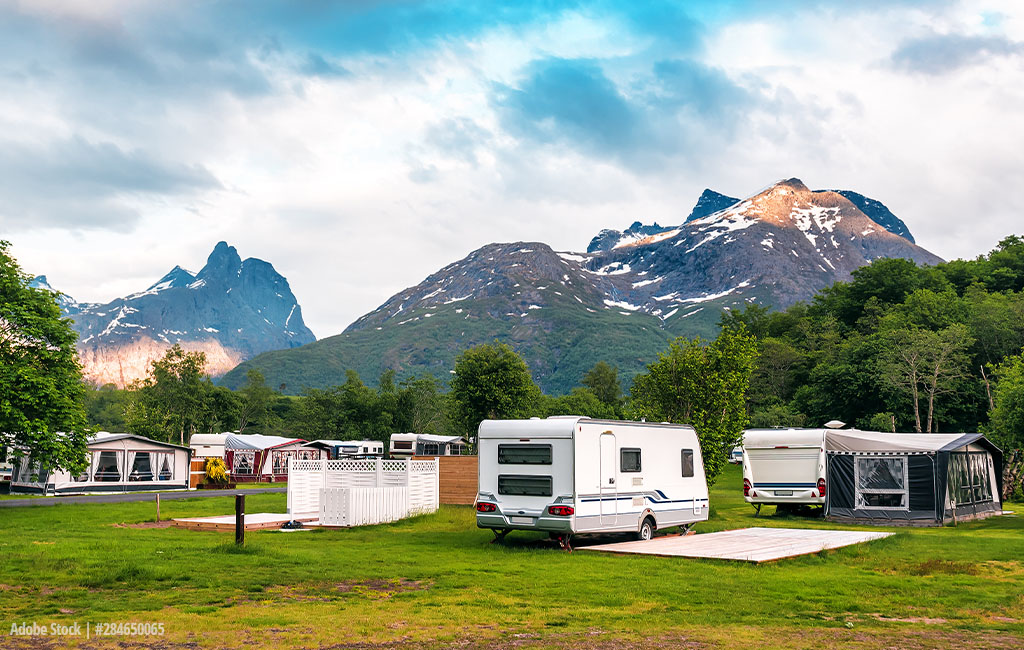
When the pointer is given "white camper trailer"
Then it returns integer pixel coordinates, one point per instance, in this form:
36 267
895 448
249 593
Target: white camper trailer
569 475
784 467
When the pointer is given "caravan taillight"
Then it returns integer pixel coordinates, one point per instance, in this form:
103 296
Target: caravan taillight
821 487
486 507
746 487
561 511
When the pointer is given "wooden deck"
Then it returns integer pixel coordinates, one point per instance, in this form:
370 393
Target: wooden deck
253 521
745 544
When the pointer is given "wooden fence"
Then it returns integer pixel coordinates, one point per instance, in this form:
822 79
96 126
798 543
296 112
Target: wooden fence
457 482
197 472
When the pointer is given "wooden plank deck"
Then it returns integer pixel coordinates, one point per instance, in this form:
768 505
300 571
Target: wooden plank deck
253 521
745 544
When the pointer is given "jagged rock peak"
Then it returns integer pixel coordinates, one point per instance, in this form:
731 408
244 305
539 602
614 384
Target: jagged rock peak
710 202
608 239
176 277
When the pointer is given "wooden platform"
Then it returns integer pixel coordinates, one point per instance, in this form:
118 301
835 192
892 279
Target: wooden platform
745 544
254 521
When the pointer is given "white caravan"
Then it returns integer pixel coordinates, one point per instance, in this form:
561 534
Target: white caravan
784 467
569 474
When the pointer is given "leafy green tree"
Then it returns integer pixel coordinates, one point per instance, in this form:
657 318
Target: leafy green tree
104 407
1006 421
172 402
703 385
352 410
777 415
924 365
878 422
421 406
581 401
256 399
491 381
603 381
41 393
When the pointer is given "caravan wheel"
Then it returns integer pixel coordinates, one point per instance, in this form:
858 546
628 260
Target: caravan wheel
646 531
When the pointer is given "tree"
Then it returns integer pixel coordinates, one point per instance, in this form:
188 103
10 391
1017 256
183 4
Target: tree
421 406
491 381
42 414
925 364
581 401
703 385
1006 421
173 399
603 381
256 399
351 410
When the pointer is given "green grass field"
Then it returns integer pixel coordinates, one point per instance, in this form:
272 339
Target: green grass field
437 581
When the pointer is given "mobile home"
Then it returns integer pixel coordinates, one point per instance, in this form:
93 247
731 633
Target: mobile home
335 449
784 467
569 475
207 445
404 445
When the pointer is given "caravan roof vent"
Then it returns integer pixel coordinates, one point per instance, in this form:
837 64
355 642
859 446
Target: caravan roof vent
835 424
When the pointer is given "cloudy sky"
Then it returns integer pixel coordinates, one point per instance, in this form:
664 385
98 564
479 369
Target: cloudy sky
359 146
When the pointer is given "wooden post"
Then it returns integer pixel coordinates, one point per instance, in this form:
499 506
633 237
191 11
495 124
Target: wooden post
239 519
158 507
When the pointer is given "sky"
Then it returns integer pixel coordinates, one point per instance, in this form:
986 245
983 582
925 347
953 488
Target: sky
360 146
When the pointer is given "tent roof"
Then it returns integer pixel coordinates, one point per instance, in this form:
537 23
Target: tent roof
429 437
106 436
256 441
339 443
854 440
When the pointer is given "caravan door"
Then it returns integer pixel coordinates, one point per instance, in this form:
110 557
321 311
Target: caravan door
608 489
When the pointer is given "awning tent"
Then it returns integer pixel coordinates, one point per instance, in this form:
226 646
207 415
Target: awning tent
118 462
922 479
253 457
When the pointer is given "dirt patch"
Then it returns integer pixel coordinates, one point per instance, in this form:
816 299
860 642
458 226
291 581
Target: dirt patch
146 524
910 619
384 588
947 567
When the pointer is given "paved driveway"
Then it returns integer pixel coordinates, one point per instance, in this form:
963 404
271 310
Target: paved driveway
131 496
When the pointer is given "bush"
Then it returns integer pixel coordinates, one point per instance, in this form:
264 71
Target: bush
216 470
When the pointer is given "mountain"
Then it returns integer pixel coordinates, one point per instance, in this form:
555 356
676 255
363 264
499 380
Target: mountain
878 213
231 309
620 303
710 202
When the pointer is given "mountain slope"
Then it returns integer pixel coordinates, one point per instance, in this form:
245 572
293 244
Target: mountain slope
232 310
621 302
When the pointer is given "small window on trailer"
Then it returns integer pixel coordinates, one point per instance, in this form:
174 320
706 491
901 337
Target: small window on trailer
520 485
524 454
687 463
881 483
629 460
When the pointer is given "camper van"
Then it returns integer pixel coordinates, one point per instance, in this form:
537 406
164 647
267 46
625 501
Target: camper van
570 475
784 467
405 445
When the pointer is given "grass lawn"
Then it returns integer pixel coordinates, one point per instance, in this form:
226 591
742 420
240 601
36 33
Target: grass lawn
436 581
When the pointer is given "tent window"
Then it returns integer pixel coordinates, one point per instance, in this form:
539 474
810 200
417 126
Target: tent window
142 467
108 466
970 478
882 483
687 463
166 462
431 449
243 462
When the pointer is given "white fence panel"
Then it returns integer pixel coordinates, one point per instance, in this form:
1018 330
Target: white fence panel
363 506
363 491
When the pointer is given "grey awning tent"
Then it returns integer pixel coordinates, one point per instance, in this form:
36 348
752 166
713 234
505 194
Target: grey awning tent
921 479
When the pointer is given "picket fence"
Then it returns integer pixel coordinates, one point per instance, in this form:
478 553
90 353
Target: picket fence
360 492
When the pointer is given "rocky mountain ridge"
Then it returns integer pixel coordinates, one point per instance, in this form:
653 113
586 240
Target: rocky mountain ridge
639 288
231 310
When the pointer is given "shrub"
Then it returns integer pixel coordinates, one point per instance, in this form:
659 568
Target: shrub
216 470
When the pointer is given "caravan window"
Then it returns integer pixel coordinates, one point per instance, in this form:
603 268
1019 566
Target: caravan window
629 460
524 454
518 485
402 444
882 483
687 463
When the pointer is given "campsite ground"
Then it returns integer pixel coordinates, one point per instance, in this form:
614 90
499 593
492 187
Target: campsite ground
436 581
